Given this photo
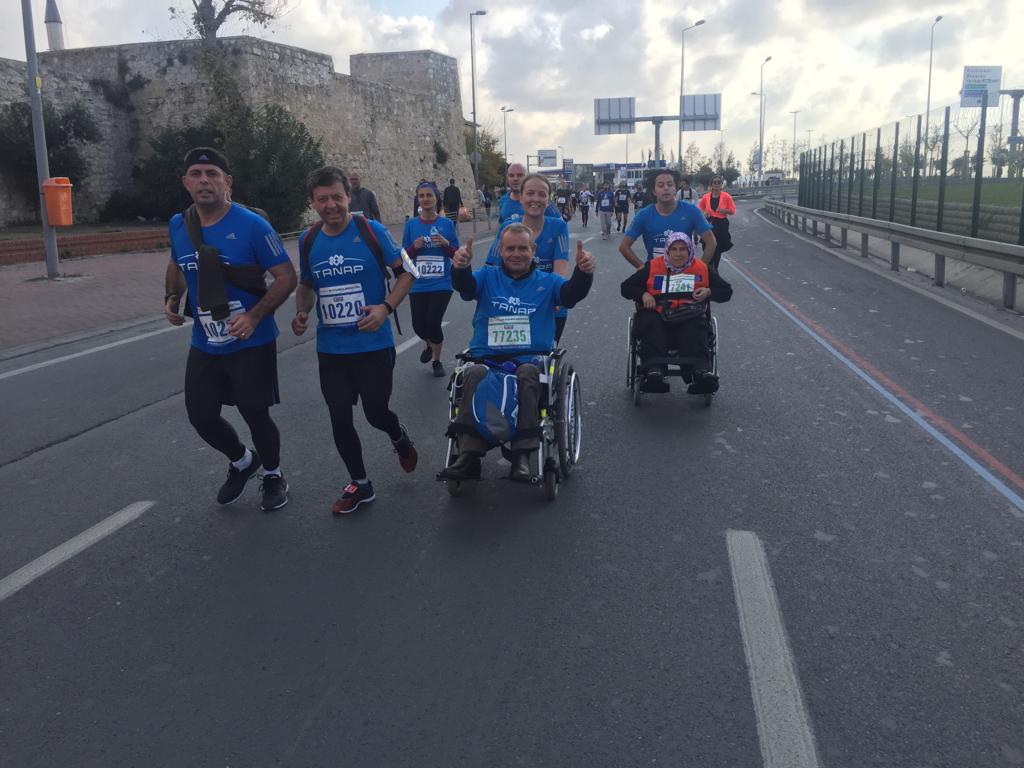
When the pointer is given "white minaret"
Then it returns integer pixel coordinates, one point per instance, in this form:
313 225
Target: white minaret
54 26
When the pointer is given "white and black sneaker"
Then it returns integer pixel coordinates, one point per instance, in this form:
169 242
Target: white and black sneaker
234 485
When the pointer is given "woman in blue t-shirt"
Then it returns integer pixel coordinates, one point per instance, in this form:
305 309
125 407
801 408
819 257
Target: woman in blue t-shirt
430 240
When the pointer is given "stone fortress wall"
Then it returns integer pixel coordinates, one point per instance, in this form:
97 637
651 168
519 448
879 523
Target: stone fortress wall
395 117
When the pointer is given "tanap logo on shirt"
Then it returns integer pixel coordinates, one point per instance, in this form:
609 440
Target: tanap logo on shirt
337 266
513 305
336 260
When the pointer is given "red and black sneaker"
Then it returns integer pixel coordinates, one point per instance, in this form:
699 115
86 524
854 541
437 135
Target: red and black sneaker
406 450
353 495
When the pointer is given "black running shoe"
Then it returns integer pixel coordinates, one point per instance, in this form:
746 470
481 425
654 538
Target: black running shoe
704 383
353 495
406 450
234 486
438 369
426 354
275 492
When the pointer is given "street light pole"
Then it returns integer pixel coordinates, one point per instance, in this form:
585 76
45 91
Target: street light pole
792 170
682 72
760 142
928 103
35 84
472 80
504 129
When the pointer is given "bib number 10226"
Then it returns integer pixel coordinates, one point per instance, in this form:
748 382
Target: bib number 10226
341 304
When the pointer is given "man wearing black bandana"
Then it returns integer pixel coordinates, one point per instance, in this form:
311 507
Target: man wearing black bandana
219 253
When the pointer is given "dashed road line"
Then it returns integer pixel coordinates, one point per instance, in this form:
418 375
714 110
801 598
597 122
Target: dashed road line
25 575
783 725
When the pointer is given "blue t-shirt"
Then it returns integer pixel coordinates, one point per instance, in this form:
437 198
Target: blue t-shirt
512 210
346 277
243 239
514 316
605 201
552 246
655 228
433 262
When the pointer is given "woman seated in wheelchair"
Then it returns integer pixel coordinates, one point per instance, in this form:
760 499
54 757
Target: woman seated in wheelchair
672 292
513 325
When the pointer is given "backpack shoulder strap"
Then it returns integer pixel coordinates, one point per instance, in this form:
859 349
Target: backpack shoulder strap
193 228
306 245
370 237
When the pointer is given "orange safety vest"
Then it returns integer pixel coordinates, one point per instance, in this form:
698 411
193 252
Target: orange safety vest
726 206
659 282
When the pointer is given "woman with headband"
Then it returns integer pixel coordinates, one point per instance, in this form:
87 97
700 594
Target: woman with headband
430 240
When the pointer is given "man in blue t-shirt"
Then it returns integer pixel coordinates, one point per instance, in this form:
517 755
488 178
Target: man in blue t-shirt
667 215
233 357
344 278
514 321
510 207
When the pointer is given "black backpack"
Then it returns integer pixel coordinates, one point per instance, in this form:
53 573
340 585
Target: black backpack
369 237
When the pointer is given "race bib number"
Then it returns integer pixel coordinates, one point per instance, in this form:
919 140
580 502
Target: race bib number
680 283
508 331
341 305
217 330
430 266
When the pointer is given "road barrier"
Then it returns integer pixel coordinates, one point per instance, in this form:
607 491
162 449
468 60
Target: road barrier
1001 257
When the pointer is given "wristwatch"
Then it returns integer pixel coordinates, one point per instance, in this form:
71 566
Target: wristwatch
391 310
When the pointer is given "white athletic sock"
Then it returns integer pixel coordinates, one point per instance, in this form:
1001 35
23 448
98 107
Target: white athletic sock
364 481
244 462
276 472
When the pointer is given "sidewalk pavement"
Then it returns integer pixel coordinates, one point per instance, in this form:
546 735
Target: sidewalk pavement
97 292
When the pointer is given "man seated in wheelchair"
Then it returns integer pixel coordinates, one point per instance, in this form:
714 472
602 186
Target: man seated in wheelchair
672 292
513 328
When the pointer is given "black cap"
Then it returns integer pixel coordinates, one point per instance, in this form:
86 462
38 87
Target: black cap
206 156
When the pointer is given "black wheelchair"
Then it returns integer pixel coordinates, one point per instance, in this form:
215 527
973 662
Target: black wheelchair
560 425
675 364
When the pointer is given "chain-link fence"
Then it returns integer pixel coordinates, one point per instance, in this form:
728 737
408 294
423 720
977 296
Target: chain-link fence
956 170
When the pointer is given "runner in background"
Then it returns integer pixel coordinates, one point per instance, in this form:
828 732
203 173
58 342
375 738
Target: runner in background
430 240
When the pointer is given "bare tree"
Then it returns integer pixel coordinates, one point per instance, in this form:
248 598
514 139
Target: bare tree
966 123
208 16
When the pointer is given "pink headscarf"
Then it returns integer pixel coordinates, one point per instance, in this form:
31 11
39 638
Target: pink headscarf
677 237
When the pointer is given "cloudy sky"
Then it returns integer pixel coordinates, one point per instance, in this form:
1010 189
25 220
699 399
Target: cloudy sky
847 66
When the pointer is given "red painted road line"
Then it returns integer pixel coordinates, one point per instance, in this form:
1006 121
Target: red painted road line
923 410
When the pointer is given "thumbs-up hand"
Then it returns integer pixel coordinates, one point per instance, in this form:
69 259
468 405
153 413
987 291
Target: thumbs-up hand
584 259
463 256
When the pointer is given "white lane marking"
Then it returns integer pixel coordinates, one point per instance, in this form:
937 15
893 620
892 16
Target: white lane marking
27 574
84 352
859 263
783 725
409 343
589 239
909 412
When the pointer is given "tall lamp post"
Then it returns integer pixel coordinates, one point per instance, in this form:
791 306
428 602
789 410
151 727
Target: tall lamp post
504 128
928 103
682 72
760 141
792 172
472 80
34 83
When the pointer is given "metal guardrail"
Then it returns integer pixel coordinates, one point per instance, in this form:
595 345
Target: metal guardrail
991 254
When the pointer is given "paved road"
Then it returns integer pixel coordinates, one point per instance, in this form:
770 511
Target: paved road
867 439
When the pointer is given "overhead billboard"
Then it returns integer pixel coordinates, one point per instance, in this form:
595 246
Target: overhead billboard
979 80
701 112
614 115
567 165
547 158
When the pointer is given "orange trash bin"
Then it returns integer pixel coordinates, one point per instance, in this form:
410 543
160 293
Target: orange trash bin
57 194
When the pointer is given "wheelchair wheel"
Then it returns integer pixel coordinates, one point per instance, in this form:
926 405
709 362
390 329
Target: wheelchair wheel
551 483
630 356
569 434
637 393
